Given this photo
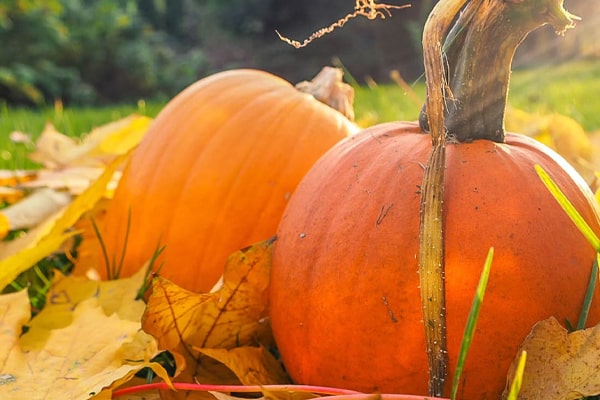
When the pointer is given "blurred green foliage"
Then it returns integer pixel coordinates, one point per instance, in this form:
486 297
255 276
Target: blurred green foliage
35 23
88 51
98 52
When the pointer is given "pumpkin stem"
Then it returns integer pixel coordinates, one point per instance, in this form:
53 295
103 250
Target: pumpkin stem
467 87
431 238
327 87
480 49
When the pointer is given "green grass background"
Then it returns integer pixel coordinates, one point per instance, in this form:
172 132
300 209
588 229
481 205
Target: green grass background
572 89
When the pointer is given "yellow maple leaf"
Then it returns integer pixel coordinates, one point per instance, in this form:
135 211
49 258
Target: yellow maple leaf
226 318
120 136
560 365
232 316
86 339
67 292
21 254
74 362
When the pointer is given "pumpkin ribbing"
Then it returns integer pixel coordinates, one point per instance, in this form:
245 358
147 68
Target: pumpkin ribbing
214 173
345 301
345 298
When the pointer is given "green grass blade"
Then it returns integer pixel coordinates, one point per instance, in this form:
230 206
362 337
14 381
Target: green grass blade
515 386
472 321
568 207
119 267
585 229
589 294
103 249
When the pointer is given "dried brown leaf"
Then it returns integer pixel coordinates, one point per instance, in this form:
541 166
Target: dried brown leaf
229 317
252 365
560 365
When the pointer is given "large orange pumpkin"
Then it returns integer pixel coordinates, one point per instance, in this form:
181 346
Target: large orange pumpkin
345 302
214 173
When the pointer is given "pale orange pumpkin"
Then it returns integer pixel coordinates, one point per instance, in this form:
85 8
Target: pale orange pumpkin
214 173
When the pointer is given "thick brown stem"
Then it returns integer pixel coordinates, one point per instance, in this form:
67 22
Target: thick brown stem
431 238
329 88
465 102
480 51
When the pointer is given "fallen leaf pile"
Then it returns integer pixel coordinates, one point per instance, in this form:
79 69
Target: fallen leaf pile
88 335
50 233
93 337
80 344
221 336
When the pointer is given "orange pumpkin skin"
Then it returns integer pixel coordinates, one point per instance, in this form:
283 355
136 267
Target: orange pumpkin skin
345 300
214 173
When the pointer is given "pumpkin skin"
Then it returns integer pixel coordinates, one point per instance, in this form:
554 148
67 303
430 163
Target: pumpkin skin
344 299
214 173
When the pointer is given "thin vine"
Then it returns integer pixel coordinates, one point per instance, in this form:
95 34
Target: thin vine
365 8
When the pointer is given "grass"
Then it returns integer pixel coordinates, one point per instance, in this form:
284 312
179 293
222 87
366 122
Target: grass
384 103
571 89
